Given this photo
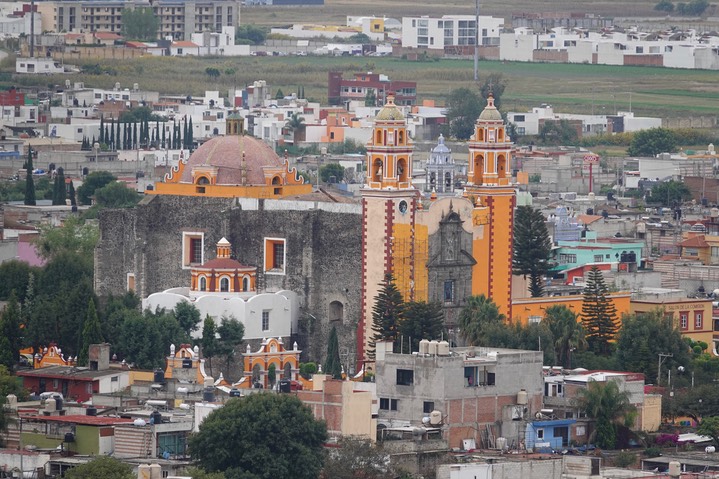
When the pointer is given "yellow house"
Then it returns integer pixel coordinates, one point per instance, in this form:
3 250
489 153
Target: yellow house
704 248
532 310
692 316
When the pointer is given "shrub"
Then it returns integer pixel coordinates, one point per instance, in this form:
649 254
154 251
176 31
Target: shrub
653 451
625 459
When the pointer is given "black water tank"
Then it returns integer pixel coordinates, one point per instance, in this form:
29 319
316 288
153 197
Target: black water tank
208 395
186 363
58 402
159 376
156 417
235 393
69 437
285 386
91 411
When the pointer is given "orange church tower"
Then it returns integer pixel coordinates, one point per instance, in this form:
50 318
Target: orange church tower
389 202
488 186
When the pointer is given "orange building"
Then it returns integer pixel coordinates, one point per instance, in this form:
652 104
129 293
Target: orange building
532 310
692 316
235 165
271 352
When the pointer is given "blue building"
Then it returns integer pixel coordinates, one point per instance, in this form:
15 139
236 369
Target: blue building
548 435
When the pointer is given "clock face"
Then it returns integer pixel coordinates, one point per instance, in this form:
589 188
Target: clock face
402 207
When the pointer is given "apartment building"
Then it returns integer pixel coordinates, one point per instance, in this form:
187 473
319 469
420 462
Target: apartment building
178 19
450 31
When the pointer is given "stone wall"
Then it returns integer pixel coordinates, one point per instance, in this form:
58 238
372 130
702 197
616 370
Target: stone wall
322 254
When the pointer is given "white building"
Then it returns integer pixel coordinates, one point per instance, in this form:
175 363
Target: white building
449 31
46 66
219 44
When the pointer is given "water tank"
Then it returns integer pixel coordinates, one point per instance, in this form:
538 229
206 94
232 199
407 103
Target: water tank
156 417
443 348
435 418
675 469
501 443
91 411
11 401
235 393
58 402
184 406
714 212
285 386
522 397
433 347
69 437
159 376
139 422
424 346
182 390
186 363
710 450
208 395
50 405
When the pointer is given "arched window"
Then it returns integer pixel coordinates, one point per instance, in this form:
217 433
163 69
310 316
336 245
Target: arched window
377 173
203 283
256 374
224 284
501 166
336 311
246 283
478 170
448 180
378 140
401 137
402 172
203 180
276 180
288 371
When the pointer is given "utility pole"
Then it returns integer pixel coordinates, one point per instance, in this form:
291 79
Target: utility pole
662 358
476 40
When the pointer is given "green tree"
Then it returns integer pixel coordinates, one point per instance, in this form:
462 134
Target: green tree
606 404
355 458
664 6
250 34
116 195
59 192
197 473
15 276
91 333
103 466
278 433
333 366
93 182
567 332
463 109
71 194
558 132
11 330
420 321
188 316
643 336
29 181
494 83
651 142
670 193
232 333
370 98
212 72
158 330
710 427
139 24
74 236
332 169
478 314
209 339
532 248
599 315
387 313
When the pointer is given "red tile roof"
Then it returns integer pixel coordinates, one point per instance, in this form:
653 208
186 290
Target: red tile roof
694 242
184 44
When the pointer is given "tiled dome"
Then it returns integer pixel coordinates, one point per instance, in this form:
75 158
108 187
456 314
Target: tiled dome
225 153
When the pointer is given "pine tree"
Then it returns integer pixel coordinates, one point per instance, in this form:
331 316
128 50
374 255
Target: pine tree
333 367
29 180
91 333
532 248
386 314
599 315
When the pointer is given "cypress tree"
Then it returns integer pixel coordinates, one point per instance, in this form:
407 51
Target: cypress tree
92 145
29 180
599 315
117 136
125 131
102 130
157 132
91 333
11 329
71 194
190 139
111 140
134 135
184 132
107 136
333 367
164 136
58 190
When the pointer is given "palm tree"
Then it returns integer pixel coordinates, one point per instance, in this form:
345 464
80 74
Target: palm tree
568 333
606 404
479 312
295 123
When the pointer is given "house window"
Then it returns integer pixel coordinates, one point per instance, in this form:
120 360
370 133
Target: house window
225 285
203 283
275 256
428 407
192 248
475 376
265 320
393 404
540 433
405 377
384 404
534 319
598 258
684 320
130 282
698 321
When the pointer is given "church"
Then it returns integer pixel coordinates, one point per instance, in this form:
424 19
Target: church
236 194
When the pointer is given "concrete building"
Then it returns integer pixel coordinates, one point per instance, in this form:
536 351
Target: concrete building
480 394
176 19
450 32
340 91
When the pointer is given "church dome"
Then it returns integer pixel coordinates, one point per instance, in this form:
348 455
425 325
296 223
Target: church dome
490 112
225 154
441 147
390 111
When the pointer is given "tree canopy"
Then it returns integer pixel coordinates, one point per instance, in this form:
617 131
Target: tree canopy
463 109
332 170
605 403
651 142
420 321
599 315
139 24
250 34
532 248
333 366
279 437
670 193
479 314
93 182
355 458
567 333
103 466
386 313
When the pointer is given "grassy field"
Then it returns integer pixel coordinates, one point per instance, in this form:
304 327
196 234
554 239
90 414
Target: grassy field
569 88
335 12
